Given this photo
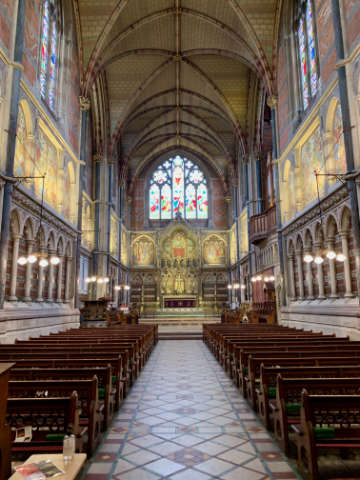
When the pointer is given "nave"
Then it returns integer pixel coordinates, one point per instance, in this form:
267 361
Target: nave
184 420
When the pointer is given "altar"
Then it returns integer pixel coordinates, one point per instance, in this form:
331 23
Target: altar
183 301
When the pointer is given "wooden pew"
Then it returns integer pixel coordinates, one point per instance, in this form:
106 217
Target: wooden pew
77 363
288 398
58 416
319 356
327 423
87 394
266 391
5 442
106 391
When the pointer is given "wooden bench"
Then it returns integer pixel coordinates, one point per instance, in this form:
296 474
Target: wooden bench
288 397
90 415
106 392
266 391
327 423
251 378
50 418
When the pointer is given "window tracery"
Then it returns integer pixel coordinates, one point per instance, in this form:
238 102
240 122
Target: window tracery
49 51
307 52
178 186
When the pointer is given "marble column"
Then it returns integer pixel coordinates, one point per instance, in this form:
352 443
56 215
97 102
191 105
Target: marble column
292 291
59 281
41 281
309 278
299 262
28 273
68 279
347 271
14 267
51 277
320 274
332 271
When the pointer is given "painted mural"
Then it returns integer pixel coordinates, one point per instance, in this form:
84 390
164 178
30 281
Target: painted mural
124 248
214 251
244 234
114 237
339 147
312 158
143 252
233 252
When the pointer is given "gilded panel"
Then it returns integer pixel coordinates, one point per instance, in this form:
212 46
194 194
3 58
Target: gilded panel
214 251
142 251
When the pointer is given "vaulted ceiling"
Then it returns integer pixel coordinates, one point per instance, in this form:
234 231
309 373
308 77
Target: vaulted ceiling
179 73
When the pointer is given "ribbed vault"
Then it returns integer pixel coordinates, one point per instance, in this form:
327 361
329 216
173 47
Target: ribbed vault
178 73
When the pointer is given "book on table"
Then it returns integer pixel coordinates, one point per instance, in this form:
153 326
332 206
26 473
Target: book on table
39 471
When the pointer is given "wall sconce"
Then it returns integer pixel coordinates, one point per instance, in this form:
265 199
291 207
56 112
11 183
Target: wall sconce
94 279
119 287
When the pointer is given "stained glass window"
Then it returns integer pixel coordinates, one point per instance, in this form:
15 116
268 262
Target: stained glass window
178 186
49 49
307 52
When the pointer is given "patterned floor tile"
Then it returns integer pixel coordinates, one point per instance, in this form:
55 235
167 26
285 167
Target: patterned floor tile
184 420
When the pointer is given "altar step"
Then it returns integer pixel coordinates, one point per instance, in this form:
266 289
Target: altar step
180 336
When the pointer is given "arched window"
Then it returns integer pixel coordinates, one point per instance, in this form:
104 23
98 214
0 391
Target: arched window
307 52
49 51
178 186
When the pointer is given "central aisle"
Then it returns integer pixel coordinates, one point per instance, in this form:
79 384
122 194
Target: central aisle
184 420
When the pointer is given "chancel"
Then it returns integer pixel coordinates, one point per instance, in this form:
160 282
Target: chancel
179 202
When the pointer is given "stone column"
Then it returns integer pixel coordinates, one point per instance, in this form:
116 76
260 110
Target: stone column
332 270
347 272
68 279
14 267
51 277
300 273
309 278
292 291
29 248
41 282
320 274
59 281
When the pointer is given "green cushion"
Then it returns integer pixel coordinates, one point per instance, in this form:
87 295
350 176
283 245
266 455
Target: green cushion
272 392
246 370
114 379
55 437
101 393
292 408
324 433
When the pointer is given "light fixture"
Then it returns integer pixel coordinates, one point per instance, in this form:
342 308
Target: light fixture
258 278
271 278
242 286
308 258
236 286
31 258
229 286
117 287
127 287
22 261
253 279
340 257
331 254
106 279
43 262
54 260
100 280
318 259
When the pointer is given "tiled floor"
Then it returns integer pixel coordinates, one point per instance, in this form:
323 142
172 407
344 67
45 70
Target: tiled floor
184 420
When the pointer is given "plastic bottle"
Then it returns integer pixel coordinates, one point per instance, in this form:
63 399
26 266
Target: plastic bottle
72 445
66 450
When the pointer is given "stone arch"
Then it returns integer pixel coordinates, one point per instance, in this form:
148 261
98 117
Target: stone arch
51 242
68 249
291 248
319 234
15 224
299 242
345 220
331 227
29 230
308 240
60 246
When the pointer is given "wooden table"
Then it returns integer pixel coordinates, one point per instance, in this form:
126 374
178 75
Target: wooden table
72 469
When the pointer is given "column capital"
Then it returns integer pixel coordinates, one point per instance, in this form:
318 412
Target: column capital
272 102
84 103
